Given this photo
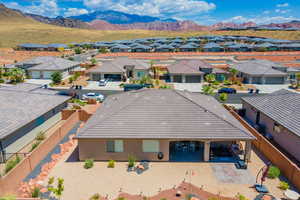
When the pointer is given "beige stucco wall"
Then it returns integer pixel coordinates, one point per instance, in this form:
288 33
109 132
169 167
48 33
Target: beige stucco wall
96 149
286 139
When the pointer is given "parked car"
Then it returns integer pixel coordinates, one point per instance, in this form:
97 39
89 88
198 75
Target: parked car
96 96
227 90
103 82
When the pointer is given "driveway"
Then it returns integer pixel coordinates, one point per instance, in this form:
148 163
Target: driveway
94 85
191 87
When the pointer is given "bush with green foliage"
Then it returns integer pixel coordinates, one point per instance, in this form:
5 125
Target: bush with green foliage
223 97
56 77
36 192
58 190
35 145
88 163
241 197
95 197
111 164
274 172
121 198
8 197
207 90
77 50
93 61
11 164
40 136
284 185
131 161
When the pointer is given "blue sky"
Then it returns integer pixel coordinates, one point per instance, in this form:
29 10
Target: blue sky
201 11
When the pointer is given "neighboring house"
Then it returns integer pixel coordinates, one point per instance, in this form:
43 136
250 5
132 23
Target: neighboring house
120 69
25 110
278 115
165 48
43 67
212 47
266 46
162 125
193 71
239 48
189 47
140 48
57 47
33 47
261 72
119 48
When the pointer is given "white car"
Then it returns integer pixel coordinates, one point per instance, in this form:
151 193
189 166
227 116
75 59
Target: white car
103 82
97 97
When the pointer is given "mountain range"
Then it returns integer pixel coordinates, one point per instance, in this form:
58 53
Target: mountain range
114 20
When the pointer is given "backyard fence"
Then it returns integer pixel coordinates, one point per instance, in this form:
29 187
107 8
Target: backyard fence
9 183
289 169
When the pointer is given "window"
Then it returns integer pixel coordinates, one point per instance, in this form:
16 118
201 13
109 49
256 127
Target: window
140 74
114 146
150 146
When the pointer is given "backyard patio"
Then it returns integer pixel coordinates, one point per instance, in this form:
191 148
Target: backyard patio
217 178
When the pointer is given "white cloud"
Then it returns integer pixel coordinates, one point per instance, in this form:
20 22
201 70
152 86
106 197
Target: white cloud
282 11
44 7
159 8
261 20
74 12
282 5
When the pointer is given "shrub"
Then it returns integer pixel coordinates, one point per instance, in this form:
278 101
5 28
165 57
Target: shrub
212 198
241 197
71 58
95 197
51 180
8 197
88 163
131 161
2 81
111 164
77 51
40 136
35 145
284 185
223 97
121 198
56 77
11 164
76 107
274 172
71 79
36 192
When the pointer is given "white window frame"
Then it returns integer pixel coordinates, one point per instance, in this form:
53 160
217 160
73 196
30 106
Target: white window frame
151 146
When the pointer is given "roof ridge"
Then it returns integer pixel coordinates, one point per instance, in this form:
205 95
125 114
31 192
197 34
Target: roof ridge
211 112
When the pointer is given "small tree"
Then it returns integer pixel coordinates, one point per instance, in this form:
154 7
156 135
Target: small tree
16 75
56 77
57 191
103 50
233 74
223 97
93 61
77 50
210 78
207 90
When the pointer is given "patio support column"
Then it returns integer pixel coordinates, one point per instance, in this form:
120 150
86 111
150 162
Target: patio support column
206 150
247 155
101 76
183 79
171 79
263 80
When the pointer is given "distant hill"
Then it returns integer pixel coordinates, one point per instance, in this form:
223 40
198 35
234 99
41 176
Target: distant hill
11 14
222 25
60 21
292 24
116 17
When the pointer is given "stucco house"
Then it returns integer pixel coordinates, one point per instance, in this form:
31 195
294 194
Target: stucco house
277 115
193 71
162 125
261 72
43 67
26 109
120 69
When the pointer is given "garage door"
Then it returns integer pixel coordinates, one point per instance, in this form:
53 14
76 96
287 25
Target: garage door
113 77
193 79
274 80
35 75
177 79
47 75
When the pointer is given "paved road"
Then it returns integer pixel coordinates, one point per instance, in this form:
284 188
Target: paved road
84 57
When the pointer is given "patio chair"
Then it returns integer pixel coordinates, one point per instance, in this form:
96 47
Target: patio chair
241 164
